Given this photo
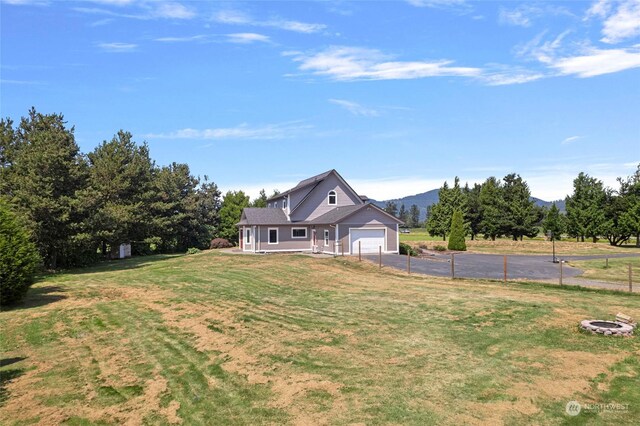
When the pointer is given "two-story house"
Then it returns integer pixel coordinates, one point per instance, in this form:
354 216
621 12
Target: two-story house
322 214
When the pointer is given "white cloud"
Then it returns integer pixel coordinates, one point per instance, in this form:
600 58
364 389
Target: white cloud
199 37
143 10
118 47
503 75
26 2
593 62
570 139
355 108
623 23
520 16
235 17
243 131
353 63
436 3
394 187
173 10
246 38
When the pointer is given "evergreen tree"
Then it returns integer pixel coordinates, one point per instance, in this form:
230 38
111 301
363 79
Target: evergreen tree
19 259
120 193
554 223
261 201
402 214
414 216
585 208
492 208
439 214
230 213
392 208
521 214
474 209
456 238
42 170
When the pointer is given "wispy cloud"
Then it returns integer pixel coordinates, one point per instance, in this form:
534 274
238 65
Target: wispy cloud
621 19
21 82
354 63
235 17
524 14
582 59
520 16
118 47
246 38
506 76
437 3
355 108
199 37
143 10
593 62
242 131
570 139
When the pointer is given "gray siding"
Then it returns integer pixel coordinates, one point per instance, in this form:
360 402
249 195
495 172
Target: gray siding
316 204
369 218
285 241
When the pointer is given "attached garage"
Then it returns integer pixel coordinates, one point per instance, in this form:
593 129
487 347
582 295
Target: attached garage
369 239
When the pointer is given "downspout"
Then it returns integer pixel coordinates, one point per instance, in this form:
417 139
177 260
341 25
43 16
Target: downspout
397 239
335 251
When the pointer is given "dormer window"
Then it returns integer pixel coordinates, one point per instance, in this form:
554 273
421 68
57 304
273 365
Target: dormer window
332 198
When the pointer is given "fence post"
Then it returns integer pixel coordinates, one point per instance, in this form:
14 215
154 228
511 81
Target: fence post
453 268
505 269
408 264
380 257
630 280
359 250
560 271
606 263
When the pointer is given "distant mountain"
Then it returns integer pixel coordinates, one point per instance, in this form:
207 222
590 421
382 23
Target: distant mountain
428 198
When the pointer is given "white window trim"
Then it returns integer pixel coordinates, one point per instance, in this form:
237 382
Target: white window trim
247 236
326 237
284 203
300 238
335 194
269 235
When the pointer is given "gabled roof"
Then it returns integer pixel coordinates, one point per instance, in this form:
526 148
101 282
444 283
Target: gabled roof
263 216
339 214
303 184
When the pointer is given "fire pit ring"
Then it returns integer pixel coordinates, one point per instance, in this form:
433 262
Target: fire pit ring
608 328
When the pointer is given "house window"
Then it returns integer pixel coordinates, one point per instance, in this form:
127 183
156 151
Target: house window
275 205
273 235
298 232
284 203
333 198
247 234
326 237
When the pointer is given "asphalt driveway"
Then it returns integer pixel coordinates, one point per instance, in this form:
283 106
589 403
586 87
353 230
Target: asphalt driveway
489 266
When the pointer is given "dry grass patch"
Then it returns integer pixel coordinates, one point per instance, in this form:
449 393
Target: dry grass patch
293 339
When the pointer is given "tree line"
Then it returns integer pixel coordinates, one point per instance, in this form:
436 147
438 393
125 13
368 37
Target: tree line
78 208
504 208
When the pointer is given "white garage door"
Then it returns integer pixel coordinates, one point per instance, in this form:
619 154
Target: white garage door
370 240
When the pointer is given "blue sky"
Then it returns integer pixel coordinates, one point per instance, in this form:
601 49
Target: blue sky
397 96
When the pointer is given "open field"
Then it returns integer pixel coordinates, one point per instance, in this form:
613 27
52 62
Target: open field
536 245
617 271
233 339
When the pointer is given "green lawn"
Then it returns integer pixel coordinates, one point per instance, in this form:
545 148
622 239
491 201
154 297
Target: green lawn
224 339
614 269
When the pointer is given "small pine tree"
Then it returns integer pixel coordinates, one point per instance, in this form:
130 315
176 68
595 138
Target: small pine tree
456 237
19 259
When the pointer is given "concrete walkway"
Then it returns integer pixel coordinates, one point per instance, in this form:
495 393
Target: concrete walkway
491 266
